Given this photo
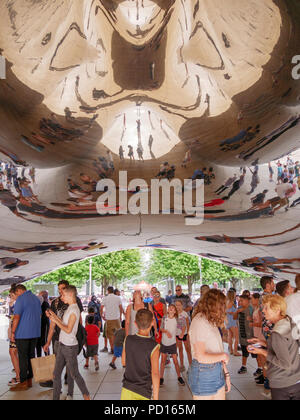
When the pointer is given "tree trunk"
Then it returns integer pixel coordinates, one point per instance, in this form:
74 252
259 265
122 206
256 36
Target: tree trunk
235 282
104 285
190 283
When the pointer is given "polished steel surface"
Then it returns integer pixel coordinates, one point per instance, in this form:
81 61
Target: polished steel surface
95 87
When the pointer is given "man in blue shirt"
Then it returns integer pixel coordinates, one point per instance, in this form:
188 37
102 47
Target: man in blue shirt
185 299
26 329
169 297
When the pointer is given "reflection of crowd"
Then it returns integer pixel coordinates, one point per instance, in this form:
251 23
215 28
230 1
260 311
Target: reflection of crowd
55 131
104 166
16 188
244 136
10 263
288 178
166 171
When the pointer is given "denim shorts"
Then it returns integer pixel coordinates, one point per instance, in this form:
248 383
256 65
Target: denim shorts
205 379
118 351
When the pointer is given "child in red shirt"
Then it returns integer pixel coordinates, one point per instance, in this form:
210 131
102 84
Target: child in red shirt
93 333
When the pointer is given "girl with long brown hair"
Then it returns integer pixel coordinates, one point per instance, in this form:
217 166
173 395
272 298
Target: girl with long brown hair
208 375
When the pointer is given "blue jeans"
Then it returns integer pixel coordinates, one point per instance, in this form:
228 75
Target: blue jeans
205 379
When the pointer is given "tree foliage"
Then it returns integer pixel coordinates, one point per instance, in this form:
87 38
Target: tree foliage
185 268
115 267
107 269
213 271
179 266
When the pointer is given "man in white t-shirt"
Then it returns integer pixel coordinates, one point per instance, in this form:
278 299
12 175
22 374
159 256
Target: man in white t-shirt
113 314
293 309
283 190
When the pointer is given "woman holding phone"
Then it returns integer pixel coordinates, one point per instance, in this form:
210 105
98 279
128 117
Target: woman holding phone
281 351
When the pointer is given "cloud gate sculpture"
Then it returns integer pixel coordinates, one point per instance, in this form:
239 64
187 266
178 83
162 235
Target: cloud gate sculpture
157 90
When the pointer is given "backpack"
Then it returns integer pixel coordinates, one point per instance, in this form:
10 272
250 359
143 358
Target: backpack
81 337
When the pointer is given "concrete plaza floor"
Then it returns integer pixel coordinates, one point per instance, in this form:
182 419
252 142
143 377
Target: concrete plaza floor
106 384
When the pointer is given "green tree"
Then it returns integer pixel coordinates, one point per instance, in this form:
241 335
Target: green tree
183 268
213 271
115 267
108 269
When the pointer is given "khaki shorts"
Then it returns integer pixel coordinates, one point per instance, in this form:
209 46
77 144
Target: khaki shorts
112 327
284 201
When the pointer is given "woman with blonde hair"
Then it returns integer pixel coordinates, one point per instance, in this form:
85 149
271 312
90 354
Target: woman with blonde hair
208 375
231 324
132 309
281 351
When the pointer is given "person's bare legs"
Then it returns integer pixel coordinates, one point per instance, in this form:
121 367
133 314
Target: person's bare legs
96 360
260 362
263 362
162 364
111 342
219 396
188 350
176 364
180 349
15 362
230 340
236 341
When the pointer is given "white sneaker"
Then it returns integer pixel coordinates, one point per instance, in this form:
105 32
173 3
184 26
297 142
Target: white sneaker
266 394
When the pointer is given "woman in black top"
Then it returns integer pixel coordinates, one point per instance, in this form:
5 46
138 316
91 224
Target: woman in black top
45 323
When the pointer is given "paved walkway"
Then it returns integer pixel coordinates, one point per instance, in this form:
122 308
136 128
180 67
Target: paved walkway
106 383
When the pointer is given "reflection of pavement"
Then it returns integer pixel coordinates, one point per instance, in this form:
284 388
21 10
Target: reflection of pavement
3 327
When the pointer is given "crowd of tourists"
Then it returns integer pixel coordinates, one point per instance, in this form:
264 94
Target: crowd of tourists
152 330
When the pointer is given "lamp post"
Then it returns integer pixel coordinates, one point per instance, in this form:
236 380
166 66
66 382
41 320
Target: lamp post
91 277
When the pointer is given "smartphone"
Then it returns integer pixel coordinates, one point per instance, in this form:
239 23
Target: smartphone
257 345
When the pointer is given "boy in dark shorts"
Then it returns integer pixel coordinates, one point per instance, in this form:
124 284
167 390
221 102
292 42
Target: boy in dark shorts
93 333
141 361
245 318
118 344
